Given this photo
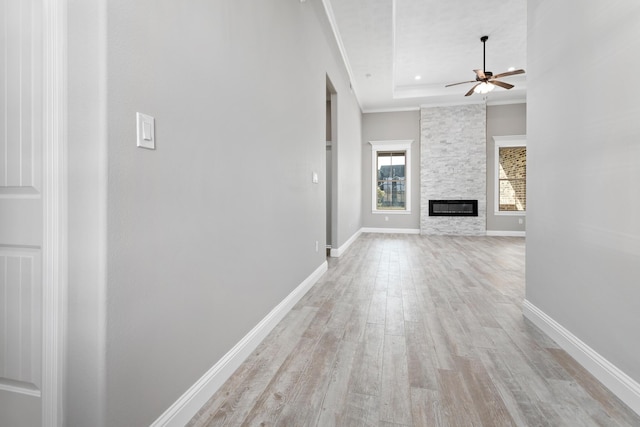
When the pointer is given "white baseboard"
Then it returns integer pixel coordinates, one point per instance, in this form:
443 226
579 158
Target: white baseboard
337 252
391 230
183 409
500 233
623 386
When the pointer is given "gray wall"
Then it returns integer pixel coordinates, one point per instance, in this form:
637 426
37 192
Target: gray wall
383 127
159 286
347 168
502 120
583 257
87 179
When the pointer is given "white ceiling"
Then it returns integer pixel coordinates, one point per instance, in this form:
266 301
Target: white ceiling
386 43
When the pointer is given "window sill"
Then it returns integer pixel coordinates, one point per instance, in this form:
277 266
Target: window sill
510 213
391 212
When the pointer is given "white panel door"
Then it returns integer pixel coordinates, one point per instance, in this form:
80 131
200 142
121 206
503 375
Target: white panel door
21 212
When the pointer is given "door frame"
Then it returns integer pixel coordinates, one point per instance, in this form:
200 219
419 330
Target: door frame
333 216
54 201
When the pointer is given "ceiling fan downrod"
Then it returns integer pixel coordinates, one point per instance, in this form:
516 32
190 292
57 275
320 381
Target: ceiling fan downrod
484 39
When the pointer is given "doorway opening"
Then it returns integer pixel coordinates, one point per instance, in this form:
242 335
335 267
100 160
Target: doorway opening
331 164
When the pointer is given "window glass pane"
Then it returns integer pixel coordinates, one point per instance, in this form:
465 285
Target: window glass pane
391 181
513 178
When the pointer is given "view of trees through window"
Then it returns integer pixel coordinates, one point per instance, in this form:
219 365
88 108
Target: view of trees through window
391 181
513 178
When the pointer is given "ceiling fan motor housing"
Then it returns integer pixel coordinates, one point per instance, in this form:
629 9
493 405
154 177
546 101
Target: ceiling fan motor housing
487 74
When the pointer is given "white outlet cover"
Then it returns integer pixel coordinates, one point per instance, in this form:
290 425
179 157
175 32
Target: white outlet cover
145 131
314 177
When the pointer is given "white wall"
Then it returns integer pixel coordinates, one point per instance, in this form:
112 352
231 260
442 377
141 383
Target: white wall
583 233
238 91
403 125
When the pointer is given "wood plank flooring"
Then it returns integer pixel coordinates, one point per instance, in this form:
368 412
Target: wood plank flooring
407 330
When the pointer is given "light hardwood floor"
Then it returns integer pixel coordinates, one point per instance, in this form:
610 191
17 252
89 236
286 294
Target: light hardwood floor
414 331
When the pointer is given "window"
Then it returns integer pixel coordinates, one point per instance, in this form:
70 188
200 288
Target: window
511 175
391 162
391 180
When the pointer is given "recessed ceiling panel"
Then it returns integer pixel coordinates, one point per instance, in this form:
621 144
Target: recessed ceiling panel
440 40
390 42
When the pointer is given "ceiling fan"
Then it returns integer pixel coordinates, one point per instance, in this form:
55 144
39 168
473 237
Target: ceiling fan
485 80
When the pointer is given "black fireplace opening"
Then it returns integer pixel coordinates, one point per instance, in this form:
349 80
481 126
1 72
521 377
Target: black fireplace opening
453 208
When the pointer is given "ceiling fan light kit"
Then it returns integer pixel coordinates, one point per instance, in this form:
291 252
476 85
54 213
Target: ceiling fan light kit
483 88
485 81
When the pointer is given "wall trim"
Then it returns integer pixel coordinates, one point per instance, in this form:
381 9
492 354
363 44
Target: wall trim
390 230
343 52
522 100
505 233
54 201
183 409
390 110
622 385
337 252
500 141
453 103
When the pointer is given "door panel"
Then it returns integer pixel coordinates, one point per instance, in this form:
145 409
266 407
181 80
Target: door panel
17 410
20 342
21 221
21 212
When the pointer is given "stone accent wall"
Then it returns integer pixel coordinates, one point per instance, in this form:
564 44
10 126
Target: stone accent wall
453 166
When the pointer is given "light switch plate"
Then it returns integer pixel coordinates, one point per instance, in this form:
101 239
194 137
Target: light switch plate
145 129
314 177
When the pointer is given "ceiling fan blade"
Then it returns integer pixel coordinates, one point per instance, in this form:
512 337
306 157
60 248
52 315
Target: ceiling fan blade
461 83
472 89
501 84
480 74
508 73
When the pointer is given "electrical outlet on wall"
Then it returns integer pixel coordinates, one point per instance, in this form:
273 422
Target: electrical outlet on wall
316 246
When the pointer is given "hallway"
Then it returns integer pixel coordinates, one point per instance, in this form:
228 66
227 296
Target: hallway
408 330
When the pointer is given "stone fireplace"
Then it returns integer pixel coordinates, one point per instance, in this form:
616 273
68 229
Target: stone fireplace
453 166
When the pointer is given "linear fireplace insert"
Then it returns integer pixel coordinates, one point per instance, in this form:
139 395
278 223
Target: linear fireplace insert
453 208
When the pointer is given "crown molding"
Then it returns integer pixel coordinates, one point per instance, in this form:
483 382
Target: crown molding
343 52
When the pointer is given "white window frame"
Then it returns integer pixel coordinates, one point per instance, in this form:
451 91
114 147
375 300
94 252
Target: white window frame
393 145
504 141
